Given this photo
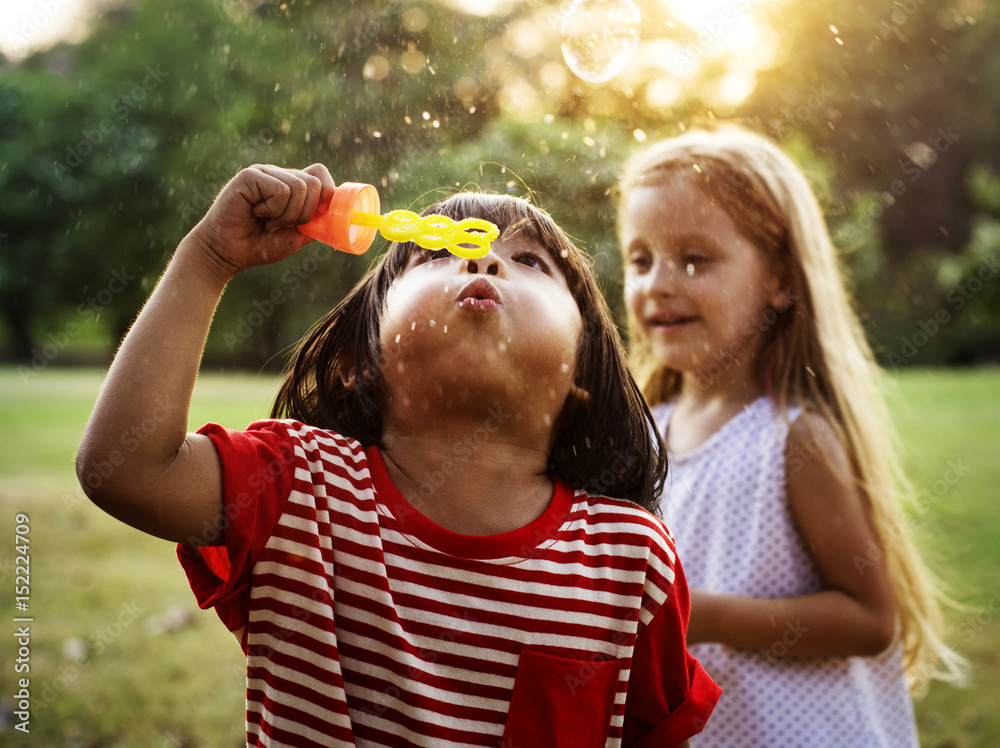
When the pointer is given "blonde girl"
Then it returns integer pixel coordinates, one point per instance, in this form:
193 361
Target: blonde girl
808 597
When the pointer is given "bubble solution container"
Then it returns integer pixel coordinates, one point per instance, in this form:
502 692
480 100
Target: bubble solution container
352 218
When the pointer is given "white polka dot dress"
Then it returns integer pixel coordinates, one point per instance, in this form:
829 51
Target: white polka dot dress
727 507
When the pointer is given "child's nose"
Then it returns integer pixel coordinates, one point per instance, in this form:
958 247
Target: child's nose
664 277
490 264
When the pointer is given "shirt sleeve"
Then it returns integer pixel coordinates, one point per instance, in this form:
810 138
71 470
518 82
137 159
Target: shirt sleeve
670 696
258 467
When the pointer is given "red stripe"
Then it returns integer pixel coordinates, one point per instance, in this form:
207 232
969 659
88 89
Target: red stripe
609 538
307 719
421 673
569 582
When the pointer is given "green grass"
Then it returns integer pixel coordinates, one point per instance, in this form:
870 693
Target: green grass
98 582
950 421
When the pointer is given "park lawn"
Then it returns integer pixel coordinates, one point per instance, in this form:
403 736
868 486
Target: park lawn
104 672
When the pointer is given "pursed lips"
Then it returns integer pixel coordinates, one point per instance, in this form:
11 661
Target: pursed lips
479 295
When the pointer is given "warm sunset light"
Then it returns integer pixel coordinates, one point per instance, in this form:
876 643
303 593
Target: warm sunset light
28 25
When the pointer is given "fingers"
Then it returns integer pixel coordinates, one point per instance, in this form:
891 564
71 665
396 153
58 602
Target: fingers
326 181
287 197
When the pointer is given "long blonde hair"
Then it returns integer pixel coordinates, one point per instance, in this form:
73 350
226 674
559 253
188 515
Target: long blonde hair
816 355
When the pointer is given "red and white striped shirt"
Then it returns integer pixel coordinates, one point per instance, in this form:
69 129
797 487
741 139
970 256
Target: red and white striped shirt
367 624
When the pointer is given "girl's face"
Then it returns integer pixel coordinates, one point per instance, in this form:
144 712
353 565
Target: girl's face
696 287
453 329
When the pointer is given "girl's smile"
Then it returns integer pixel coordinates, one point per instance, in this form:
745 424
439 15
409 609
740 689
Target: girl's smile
667 322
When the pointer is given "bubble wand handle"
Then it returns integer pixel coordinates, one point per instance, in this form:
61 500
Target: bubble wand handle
352 218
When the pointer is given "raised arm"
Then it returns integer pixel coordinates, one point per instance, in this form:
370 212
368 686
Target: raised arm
136 460
854 615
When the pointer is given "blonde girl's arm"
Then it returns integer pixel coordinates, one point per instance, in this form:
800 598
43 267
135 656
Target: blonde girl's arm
136 460
854 614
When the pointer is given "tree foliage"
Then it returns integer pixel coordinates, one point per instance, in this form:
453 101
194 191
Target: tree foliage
901 98
113 148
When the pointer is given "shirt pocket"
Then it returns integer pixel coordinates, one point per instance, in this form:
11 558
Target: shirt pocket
560 703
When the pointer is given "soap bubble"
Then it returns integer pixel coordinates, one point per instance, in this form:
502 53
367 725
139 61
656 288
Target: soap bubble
599 37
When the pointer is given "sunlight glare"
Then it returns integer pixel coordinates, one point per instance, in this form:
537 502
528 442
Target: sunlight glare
28 25
663 93
724 28
735 86
483 7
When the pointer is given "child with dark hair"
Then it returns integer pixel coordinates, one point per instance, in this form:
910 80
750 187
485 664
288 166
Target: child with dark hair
441 537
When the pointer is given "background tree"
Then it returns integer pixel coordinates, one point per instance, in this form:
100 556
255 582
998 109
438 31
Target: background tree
901 98
114 147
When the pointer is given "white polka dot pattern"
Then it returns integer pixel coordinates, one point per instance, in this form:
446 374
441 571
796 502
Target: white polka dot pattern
735 534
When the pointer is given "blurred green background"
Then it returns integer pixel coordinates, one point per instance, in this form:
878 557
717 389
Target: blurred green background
120 121
114 145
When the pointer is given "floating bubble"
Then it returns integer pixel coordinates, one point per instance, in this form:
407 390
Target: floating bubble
599 37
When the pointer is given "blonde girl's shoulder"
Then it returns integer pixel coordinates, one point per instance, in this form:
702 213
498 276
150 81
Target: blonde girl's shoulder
812 438
836 522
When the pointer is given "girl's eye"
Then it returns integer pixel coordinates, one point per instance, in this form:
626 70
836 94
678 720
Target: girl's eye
640 262
439 254
692 259
532 260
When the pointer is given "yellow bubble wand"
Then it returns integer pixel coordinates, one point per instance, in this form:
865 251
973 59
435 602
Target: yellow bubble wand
352 218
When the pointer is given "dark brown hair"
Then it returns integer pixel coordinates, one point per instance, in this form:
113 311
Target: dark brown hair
608 445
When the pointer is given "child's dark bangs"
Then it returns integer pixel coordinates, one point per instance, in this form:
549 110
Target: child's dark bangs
502 210
514 216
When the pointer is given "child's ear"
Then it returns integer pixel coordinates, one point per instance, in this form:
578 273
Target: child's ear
781 299
579 393
347 370
348 374
347 378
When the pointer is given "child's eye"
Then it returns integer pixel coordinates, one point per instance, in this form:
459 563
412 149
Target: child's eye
439 254
532 260
640 262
